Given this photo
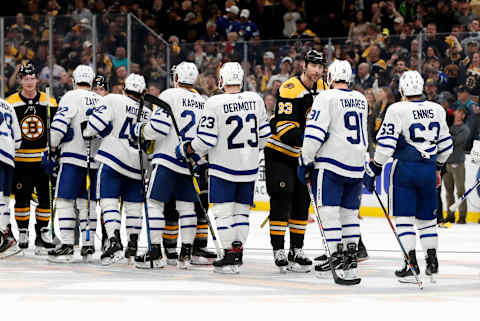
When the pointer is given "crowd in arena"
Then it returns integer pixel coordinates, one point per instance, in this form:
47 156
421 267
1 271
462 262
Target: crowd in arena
380 39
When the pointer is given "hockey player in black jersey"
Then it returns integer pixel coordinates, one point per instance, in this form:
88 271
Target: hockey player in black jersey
289 200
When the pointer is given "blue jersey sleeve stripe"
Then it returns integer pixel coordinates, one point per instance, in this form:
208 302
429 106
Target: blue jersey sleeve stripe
318 128
60 121
158 130
445 149
207 134
205 142
386 146
314 138
100 120
387 137
444 139
339 164
263 126
118 162
170 159
160 122
231 171
431 149
94 127
265 135
7 155
58 130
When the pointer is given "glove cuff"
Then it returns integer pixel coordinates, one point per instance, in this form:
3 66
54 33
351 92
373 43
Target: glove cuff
439 166
375 168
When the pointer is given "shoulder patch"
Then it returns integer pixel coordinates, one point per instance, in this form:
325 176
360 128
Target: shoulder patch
291 88
12 99
290 85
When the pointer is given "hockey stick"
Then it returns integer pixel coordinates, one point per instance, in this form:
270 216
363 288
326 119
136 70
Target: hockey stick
55 238
455 205
405 255
265 221
87 184
336 278
144 193
162 104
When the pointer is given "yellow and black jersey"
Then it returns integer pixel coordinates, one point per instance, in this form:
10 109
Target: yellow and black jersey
294 101
32 117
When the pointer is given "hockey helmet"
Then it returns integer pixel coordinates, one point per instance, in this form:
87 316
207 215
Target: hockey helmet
231 73
27 69
100 81
339 70
411 83
185 73
314 57
135 83
83 74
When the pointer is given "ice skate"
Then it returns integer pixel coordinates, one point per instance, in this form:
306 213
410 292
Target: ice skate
350 271
432 264
185 258
280 260
362 254
8 244
237 248
87 252
62 254
43 241
226 265
172 256
131 250
113 253
405 275
143 261
298 262
23 238
202 256
323 269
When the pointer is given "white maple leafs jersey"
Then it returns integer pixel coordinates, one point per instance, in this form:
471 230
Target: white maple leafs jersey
187 107
10 135
414 130
71 113
336 136
232 131
116 150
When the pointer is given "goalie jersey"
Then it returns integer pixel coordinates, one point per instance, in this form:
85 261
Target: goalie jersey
336 132
232 131
187 107
116 150
294 102
72 113
10 137
414 131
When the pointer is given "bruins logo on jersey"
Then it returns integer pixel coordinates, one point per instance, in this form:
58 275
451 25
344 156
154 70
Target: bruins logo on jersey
32 127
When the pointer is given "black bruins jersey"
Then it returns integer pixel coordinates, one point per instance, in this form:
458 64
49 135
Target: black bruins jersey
32 117
294 101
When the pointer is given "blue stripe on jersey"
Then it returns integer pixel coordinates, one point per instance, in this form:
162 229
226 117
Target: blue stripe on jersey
387 137
429 235
58 130
231 171
100 120
3 134
339 164
445 149
74 155
315 138
7 155
404 225
18 140
94 127
205 142
266 135
158 130
60 121
206 134
170 159
444 139
263 126
316 127
386 146
431 149
118 162
160 122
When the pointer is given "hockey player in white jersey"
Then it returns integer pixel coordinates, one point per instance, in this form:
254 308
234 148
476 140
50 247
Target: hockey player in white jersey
119 173
232 131
68 142
10 141
333 159
170 177
415 133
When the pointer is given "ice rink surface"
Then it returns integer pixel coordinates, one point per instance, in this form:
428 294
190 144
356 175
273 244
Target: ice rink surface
31 286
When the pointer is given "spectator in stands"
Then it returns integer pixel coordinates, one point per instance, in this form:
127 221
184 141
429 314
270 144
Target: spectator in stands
290 18
431 90
472 75
212 35
246 29
81 12
302 31
298 65
120 58
358 29
154 89
363 79
228 21
284 74
45 73
24 31
384 99
270 102
464 15
431 39
455 165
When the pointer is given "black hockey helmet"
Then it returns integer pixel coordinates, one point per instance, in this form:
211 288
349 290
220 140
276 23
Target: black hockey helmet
100 81
27 69
314 57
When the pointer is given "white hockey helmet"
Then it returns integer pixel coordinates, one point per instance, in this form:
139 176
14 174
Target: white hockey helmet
83 74
411 83
231 73
185 73
135 83
339 70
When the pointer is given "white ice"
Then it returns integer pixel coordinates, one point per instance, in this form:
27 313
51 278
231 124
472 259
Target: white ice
29 285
